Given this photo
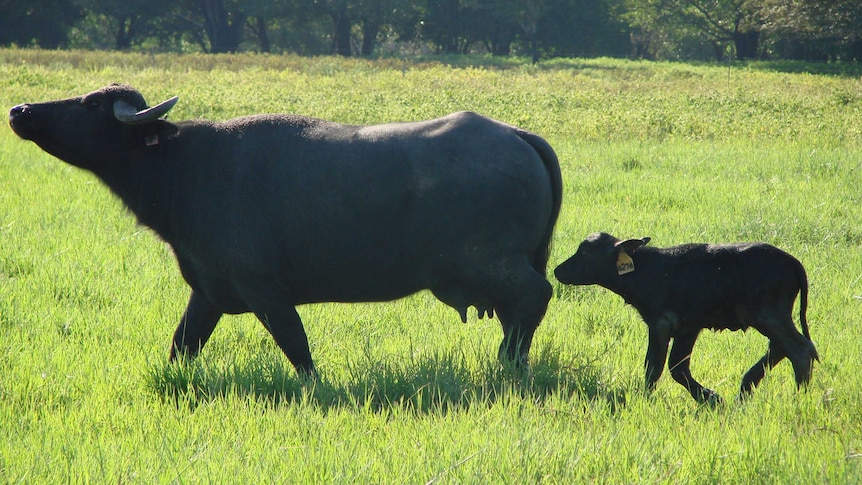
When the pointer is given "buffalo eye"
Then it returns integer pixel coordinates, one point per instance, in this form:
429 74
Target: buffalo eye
92 103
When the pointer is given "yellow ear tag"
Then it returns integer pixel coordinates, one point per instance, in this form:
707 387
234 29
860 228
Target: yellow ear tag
625 265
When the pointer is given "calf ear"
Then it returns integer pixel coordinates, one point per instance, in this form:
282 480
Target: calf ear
631 245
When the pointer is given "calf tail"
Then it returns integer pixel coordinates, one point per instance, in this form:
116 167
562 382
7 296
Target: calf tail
802 278
803 307
552 165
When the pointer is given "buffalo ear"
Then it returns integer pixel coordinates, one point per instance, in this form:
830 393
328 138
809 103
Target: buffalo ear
158 132
166 129
631 245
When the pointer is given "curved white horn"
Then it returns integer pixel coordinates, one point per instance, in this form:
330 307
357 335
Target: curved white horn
128 114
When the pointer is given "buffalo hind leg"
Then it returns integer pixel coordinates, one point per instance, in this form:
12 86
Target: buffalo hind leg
286 328
754 375
272 305
802 354
784 337
799 350
679 365
520 306
195 328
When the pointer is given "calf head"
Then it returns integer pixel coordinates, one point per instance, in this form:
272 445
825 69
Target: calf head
600 259
95 129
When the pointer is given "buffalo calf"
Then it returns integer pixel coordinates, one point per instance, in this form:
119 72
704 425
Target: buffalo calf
681 290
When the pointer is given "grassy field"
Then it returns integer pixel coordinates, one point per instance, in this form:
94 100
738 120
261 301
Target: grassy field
407 393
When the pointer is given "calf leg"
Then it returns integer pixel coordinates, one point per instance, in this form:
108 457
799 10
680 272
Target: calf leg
802 355
679 365
752 378
784 341
195 328
659 337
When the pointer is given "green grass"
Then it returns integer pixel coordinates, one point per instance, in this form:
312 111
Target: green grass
407 393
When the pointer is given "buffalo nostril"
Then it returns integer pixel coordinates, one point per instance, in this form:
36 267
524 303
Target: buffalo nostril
18 110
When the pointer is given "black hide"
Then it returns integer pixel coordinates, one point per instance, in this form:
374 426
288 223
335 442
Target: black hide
268 212
683 289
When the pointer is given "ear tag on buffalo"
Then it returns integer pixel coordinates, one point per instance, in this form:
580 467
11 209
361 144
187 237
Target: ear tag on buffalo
625 265
151 140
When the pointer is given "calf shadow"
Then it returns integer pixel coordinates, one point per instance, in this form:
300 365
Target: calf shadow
424 384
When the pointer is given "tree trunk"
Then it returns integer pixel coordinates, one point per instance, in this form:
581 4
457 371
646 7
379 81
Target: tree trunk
534 43
718 51
640 45
341 32
125 31
500 48
262 36
747 44
223 29
854 51
500 41
370 29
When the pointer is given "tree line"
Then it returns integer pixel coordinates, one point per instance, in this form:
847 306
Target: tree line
654 29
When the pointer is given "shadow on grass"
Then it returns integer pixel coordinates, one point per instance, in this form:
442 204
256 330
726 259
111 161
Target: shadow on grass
439 383
841 69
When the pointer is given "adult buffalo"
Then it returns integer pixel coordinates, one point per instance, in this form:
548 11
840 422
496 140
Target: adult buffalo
267 212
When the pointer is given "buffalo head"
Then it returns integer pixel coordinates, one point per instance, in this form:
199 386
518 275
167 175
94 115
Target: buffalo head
94 129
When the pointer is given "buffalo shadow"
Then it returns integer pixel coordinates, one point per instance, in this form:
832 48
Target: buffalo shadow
425 384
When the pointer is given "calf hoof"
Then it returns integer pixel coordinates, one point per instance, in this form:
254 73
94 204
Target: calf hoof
745 393
710 398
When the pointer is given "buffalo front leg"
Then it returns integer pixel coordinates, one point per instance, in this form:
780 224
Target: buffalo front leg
659 337
195 328
679 364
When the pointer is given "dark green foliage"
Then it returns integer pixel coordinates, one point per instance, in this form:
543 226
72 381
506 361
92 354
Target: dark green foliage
656 29
40 23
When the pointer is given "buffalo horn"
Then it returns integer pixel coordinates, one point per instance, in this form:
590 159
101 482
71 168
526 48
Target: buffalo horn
129 115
